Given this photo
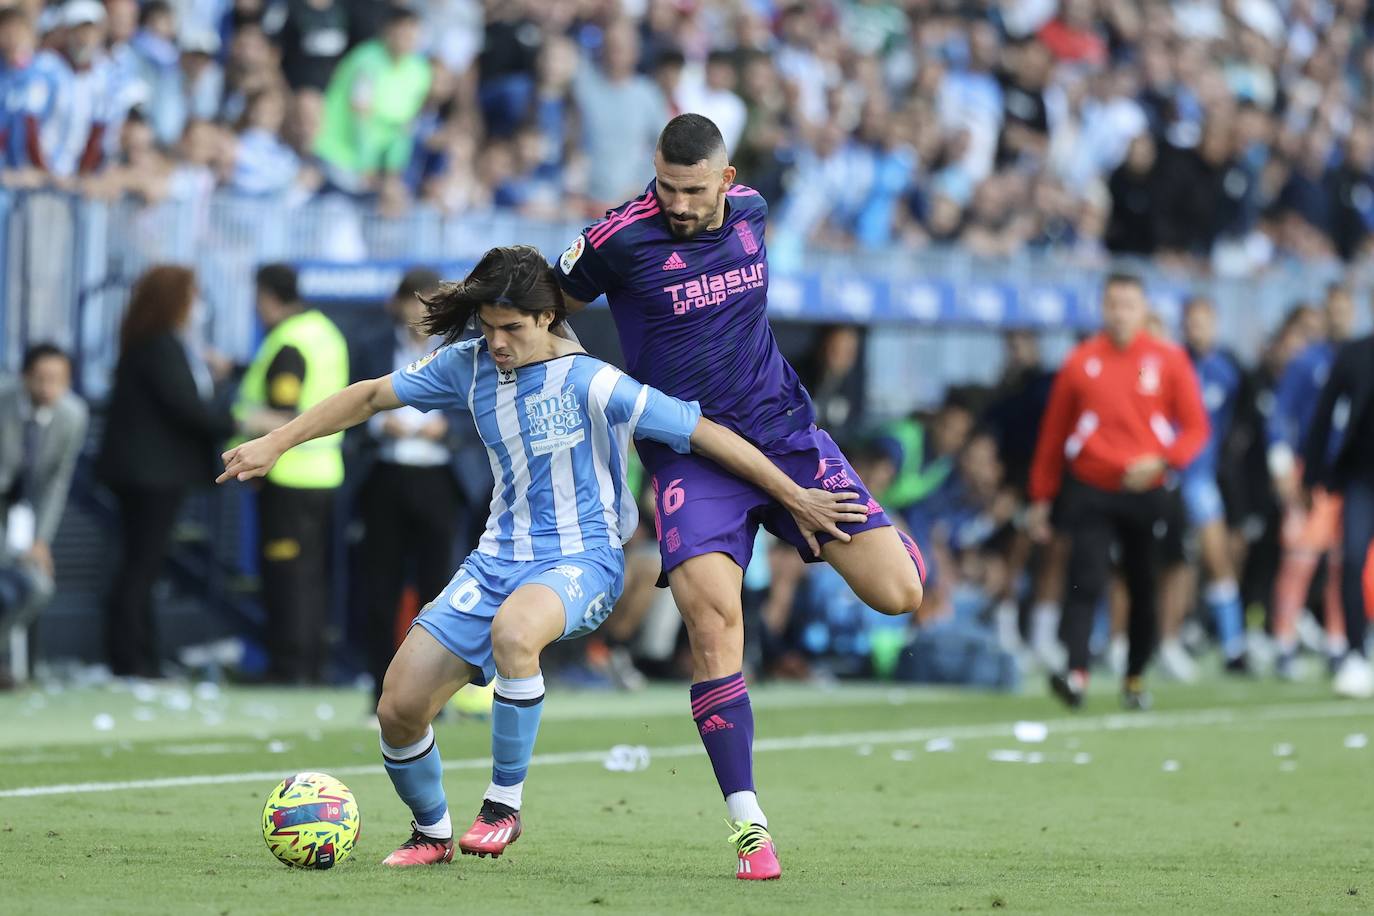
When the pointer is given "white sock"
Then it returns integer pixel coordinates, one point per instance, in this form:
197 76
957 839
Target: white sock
744 806
440 831
410 750
506 795
1045 624
1008 636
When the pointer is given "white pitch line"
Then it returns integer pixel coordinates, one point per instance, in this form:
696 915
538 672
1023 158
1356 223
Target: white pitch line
1074 724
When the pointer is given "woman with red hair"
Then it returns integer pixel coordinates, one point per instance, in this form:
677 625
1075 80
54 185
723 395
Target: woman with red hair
161 434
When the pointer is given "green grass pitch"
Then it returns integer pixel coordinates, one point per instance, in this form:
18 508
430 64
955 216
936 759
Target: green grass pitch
1229 798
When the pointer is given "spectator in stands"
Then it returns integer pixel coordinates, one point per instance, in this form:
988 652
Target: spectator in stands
251 67
42 429
622 113
162 433
302 361
370 108
313 38
713 95
410 499
264 166
833 374
159 63
83 93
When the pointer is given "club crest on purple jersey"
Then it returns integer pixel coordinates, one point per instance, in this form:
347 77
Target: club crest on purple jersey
746 237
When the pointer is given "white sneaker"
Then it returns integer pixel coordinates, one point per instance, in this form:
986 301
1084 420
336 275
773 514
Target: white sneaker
1354 679
1116 655
1176 662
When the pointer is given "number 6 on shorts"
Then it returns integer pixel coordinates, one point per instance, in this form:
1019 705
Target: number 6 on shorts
466 595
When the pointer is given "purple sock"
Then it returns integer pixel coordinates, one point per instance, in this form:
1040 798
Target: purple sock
726 722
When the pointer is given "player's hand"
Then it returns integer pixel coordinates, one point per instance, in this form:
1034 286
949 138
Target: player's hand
1143 473
249 460
817 510
1038 522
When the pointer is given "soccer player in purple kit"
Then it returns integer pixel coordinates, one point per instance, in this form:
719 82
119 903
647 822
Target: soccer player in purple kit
685 271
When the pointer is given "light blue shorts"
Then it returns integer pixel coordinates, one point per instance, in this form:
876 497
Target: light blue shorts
1202 497
460 618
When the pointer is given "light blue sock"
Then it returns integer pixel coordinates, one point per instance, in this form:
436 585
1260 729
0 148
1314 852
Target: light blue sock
515 711
1223 599
418 775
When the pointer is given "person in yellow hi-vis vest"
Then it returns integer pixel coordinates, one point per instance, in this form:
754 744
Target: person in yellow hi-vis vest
302 361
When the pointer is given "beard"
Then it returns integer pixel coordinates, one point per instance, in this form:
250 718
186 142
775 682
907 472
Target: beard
685 230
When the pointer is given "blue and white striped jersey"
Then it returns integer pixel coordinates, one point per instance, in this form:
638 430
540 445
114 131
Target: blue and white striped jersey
557 434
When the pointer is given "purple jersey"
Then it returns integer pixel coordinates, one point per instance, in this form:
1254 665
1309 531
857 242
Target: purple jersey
693 313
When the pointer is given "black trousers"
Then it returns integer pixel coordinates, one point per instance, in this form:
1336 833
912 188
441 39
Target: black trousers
295 540
1357 536
1095 520
410 515
146 519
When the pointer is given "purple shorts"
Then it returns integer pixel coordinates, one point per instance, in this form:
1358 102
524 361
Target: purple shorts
701 508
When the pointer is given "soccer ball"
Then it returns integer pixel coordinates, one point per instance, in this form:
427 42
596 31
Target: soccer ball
311 821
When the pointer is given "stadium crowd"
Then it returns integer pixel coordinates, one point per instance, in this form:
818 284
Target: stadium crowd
1223 136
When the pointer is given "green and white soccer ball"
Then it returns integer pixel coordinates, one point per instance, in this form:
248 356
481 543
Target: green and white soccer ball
311 821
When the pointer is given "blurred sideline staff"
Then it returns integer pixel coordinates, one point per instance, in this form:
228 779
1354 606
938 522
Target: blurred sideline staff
302 361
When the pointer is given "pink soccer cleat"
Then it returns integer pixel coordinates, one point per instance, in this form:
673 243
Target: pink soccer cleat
420 849
496 827
758 857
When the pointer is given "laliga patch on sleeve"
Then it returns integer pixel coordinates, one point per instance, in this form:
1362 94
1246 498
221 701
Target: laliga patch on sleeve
574 252
422 362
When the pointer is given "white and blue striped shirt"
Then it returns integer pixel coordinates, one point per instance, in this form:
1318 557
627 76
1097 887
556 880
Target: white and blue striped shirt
557 434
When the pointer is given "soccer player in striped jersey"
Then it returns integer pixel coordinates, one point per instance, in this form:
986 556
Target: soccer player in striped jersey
556 424
685 271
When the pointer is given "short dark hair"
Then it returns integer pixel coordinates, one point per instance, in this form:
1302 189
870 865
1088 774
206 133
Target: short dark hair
670 57
1123 278
417 280
279 280
10 14
399 12
41 351
516 277
152 9
690 138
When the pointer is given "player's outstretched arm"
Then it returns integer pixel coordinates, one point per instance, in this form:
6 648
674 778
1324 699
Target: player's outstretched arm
355 404
815 510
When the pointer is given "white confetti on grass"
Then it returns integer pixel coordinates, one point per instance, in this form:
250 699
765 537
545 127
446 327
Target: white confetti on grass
1171 766
103 722
1030 732
1356 741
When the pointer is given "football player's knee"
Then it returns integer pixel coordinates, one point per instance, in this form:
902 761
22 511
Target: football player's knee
403 720
513 642
900 597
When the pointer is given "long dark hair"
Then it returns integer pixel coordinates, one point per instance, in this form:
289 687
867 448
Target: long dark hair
516 277
160 302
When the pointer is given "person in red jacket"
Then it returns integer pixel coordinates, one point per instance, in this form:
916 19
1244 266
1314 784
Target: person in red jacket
1125 409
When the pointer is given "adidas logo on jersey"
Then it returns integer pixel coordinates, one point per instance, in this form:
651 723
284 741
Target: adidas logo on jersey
674 262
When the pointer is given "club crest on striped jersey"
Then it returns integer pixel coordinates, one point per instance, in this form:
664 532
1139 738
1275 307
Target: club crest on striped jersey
555 420
423 361
574 252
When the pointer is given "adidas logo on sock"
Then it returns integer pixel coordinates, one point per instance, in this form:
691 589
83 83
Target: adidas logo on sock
674 262
715 724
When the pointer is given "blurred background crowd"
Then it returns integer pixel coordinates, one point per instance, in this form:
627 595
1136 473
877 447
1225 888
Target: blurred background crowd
1220 136
1214 139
